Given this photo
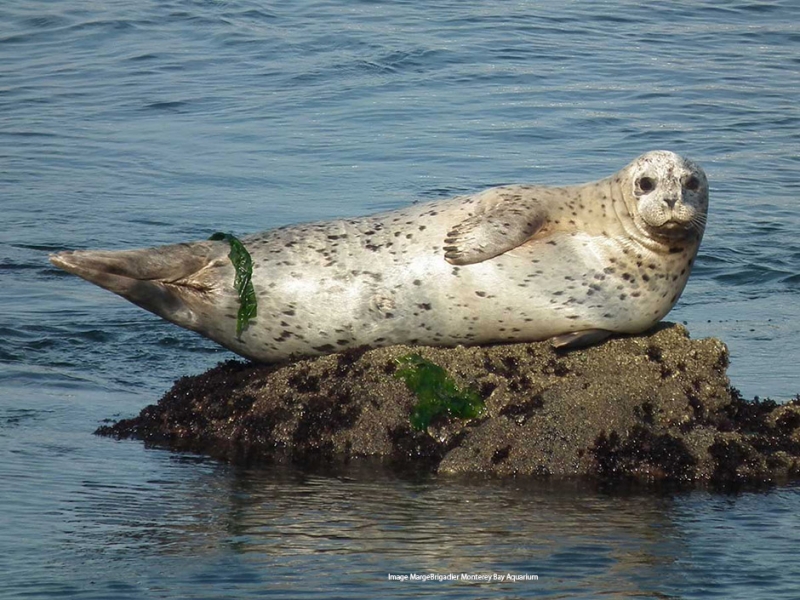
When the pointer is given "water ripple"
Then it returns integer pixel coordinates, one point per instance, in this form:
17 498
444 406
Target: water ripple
135 124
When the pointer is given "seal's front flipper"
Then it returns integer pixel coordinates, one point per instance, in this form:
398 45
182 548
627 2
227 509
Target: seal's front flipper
503 220
170 281
579 339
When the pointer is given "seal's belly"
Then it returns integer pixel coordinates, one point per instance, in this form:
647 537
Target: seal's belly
548 288
352 295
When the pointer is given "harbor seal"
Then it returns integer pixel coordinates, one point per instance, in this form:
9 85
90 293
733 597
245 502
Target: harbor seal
510 264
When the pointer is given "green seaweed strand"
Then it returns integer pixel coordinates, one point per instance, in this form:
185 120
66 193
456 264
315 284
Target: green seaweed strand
243 265
437 393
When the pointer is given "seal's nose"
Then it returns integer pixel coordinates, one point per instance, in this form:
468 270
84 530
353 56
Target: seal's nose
672 194
671 200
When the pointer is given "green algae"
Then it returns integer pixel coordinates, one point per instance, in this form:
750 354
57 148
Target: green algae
437 393
243 265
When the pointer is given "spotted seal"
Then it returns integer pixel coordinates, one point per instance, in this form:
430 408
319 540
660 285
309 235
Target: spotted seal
512 263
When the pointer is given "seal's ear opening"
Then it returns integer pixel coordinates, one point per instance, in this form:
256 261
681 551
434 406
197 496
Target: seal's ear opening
163 280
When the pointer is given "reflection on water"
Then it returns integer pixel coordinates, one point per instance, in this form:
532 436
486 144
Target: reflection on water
204 526
290 530
88 517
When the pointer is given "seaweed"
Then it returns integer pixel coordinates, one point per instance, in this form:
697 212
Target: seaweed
437 394
243 265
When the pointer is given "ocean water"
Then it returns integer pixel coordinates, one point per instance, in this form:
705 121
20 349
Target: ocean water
133 124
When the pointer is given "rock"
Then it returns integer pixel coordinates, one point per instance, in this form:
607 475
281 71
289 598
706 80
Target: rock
652 407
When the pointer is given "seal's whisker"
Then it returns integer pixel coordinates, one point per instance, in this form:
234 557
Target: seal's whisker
698 223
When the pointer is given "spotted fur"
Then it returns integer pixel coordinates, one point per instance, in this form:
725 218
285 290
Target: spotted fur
512 263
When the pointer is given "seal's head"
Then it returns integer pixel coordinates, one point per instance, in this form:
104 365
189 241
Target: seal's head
667 195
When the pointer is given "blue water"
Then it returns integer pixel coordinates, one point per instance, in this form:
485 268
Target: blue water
131 124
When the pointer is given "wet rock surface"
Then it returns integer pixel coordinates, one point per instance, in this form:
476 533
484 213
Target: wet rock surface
652 407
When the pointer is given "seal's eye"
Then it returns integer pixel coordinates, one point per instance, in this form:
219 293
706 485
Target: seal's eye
692 184
646 184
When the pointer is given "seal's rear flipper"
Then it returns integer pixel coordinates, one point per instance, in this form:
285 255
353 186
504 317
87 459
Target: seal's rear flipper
579 339
169 281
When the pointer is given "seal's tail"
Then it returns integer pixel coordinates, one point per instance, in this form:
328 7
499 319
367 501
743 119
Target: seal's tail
170 281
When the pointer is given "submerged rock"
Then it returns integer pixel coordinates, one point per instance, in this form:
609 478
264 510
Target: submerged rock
655 406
